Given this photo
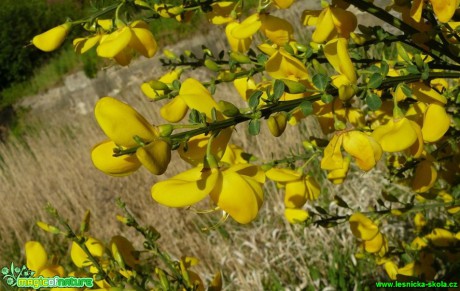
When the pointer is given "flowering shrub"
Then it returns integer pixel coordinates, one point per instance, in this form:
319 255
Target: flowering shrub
396 109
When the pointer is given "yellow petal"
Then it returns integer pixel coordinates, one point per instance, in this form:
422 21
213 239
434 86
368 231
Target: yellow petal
53 38
362 227
416 10
175 110
36 256
324 27
442 237
313 189
247 28
295 194
374 245
236 196
435 123
337 176
392 270
417 148
344 21
197 147
363 148
281 65
276 29
310 17
78 255
396 135
82 45
425 176
186 188
283 175
120 122
197 97
408 270
233 155
425 93
155 156
103 160
119 244
144 42
294 215
53 270
333 158
112 44
336 52
444 9
237 44
252 171
283 4
221 12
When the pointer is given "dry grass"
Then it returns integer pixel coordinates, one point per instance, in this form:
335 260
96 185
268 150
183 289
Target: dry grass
52 163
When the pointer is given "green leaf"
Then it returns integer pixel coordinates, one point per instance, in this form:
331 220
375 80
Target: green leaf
278 90
320 81
176 85
254 127
373 101
389 197
384 68
213 114
412 69
261 59
327 98
341 202
306 107
406 90
194 117
375 81
318 68
253 100
293 87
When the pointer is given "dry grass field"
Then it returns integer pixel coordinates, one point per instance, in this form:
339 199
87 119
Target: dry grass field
51 163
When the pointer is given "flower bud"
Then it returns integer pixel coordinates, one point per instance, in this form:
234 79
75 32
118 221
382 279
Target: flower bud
277 124
213 66
240 58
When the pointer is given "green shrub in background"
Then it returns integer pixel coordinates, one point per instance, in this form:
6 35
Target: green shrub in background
19 21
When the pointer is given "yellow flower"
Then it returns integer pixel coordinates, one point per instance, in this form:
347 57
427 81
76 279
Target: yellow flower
336 52
237 44
283 4
123 251
237 190
222 12
362 227
37 261
443 9
53 38
396 135
331 23
136 36
363 148
276 29
167 78
83 44
436 122
80 258
126 128
425 176
419 221
282 65
337 176
299 188
294 215
233 155
441 237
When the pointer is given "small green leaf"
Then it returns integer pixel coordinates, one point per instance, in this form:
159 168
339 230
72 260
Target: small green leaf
194 116
373 101
341 202
384 68
278 90
406 90
389 197
412 69
261 59
213 114
253 100
293 87
176 85
375 81
306 107
320 81
254 127
327 98
318 68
